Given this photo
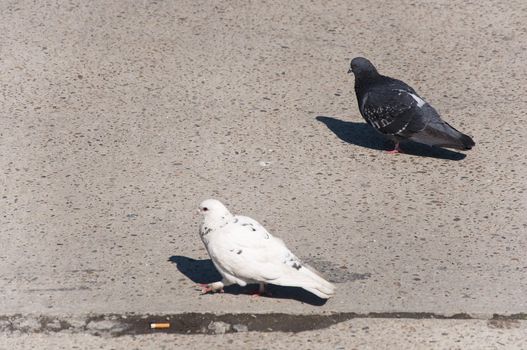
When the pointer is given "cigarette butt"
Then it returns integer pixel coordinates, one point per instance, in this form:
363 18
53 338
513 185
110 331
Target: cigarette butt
159 325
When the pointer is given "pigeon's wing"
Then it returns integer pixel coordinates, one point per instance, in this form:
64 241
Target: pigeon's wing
247 251
250 253
401 113
394 111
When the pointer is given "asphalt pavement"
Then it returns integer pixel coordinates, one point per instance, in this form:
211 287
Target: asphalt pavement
119 118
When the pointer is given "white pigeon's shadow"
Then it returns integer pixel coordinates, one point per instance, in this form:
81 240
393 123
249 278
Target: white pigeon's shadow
199 271
204 272
363 135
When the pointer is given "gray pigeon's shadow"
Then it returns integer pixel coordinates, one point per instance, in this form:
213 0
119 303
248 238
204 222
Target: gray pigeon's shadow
204 272
362 134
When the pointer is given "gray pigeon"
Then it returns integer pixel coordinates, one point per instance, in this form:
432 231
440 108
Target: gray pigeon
395 110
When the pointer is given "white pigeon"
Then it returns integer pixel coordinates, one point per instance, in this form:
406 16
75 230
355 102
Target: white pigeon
244 252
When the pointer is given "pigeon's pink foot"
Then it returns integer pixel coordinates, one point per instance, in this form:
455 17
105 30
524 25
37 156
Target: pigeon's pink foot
205 288
260 294
209 288
395 150
257 293
261 291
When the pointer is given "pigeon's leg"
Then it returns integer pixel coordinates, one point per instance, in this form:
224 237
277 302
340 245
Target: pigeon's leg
212 287
261 291
395 150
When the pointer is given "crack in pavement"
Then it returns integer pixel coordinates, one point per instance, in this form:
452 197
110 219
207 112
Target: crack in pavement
207 323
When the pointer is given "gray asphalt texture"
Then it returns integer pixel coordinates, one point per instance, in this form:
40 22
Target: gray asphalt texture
118 118
356 334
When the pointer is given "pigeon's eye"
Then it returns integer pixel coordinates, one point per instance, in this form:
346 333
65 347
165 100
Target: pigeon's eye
205 208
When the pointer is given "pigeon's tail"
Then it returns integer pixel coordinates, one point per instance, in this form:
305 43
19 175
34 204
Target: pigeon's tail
307 278
442 134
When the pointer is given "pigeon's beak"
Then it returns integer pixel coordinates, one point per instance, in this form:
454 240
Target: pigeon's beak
350 71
